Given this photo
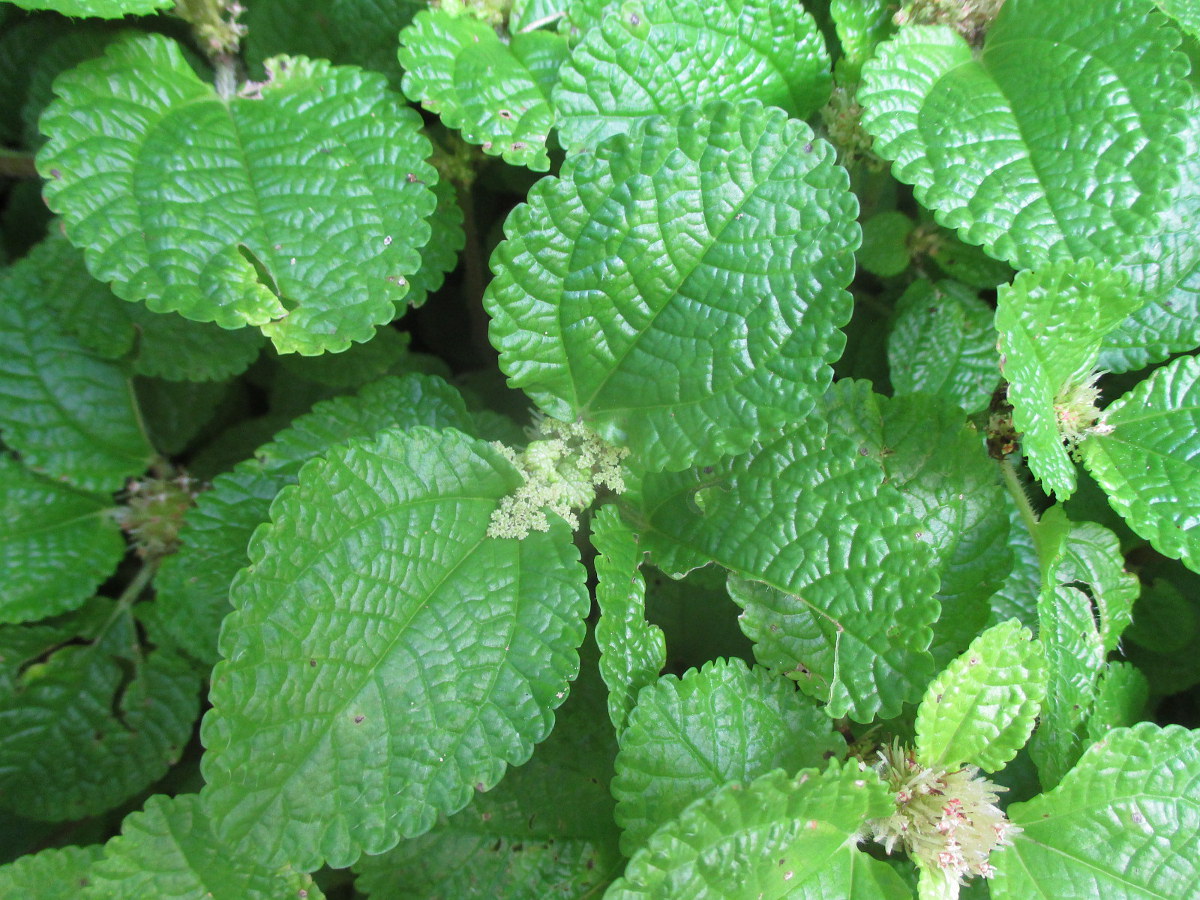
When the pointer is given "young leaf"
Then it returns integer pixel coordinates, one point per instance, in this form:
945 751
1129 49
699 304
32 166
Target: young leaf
57 544
385 658
943 342
1092 556
1051 323
1031 178
56 874
103 9
1149 463
838 588
320 182
860 24
680 289
497 94
169 850
658 56
546 830
1121 825
193 585
69 413
884 251
765 839
723 723
982 708
88 717
1121 698
632 651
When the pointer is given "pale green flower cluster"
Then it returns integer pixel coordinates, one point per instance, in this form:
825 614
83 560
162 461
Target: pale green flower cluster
494 12
563 466
153 512
947 820
1077 411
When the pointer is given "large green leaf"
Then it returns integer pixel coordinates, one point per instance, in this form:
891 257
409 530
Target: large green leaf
1184 12
546 830
723 723
385 658
57 544
836 582
854 875
1149 464
658 56
1123 825
68 412
104 9
982 708
193 584
943 341
632 650
56 874
496 93
301 208
88 717
168 851
1051 323
763 840
989 144
680 289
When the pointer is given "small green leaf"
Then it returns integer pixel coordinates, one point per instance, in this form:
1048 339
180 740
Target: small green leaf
385 658
56 874
169 851
860 24
68 412
982 708
1149 463
1092 556
546 830
1029 177
497 94
943 342
638 294
632 651
764 840
836 584
317 180
884 251
658 56
88 717
723 723
57 544
102 9
1051 323
1122 824
1121 698
1017 597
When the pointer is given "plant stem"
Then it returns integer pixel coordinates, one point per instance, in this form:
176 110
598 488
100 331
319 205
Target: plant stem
17 165
1016 490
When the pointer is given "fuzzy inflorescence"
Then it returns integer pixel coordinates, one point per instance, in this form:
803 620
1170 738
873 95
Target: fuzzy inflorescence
153 512
1076 409
563 467
947 820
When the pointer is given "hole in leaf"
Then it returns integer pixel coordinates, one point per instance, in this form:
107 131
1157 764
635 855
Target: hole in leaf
263 275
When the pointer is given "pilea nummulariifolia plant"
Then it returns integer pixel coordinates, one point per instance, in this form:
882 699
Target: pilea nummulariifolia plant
664 448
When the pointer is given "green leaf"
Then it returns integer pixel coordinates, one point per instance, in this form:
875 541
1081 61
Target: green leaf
1163 621
884 251
88 718
497 94
846 600
1167 270
632 651
57 544
316 180
680 290
103 9
1149 464
1092 556
1051 323
950 486
723 723
169 850
57 874
1121 699
69 413
1028 176
385 658
762 840
658 56
546 830
1184 12
1122 825
1017 597
854 875
860 25
943 342
193 584
982 708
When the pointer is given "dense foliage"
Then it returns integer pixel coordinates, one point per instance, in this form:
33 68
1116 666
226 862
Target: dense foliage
664 448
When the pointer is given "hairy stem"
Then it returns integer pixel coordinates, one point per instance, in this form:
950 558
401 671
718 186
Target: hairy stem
1016 490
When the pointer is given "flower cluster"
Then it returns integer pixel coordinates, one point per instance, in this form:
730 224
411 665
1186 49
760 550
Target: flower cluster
970 18
1077 412
947 820
153 512
842 118
563 466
